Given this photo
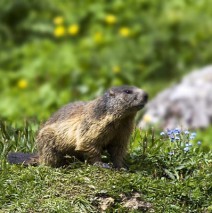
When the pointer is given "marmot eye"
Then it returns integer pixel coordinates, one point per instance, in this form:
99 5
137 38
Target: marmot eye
128 91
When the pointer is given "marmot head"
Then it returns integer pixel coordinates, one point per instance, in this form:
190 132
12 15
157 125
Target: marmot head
125 99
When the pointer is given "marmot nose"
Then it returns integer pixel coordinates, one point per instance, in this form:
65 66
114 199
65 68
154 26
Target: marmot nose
145 97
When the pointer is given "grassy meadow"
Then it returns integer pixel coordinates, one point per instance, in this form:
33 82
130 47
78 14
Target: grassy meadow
166 173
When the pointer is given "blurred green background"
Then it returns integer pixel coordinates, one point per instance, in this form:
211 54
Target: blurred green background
54 51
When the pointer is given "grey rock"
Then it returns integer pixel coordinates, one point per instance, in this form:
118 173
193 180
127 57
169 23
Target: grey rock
186 105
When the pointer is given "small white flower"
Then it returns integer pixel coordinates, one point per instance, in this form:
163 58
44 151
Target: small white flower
162 133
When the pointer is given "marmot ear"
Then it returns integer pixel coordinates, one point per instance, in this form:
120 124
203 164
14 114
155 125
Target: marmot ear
111 93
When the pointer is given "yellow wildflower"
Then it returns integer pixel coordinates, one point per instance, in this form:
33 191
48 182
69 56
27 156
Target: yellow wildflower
73 29
147 118
59 31
110 19
124 31
22 84
98 37
116 69
58 20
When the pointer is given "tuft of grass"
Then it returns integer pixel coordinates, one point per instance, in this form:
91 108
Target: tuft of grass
174 154
167 182
16 139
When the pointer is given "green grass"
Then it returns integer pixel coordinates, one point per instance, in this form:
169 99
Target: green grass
165 183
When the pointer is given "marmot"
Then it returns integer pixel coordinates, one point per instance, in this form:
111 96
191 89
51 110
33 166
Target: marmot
85 129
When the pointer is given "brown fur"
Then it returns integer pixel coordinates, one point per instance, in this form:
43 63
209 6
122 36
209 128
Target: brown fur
85 129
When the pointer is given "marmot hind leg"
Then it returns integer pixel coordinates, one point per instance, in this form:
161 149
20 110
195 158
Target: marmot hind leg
49 155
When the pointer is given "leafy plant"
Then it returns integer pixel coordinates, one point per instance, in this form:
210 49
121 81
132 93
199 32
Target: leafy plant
58 53
175 154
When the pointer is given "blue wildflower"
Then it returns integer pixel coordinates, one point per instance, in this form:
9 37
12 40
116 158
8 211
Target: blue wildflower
176 131
170 131
186 149
177 138
171 153
199 143
193 134
186 132
191 137
172 139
